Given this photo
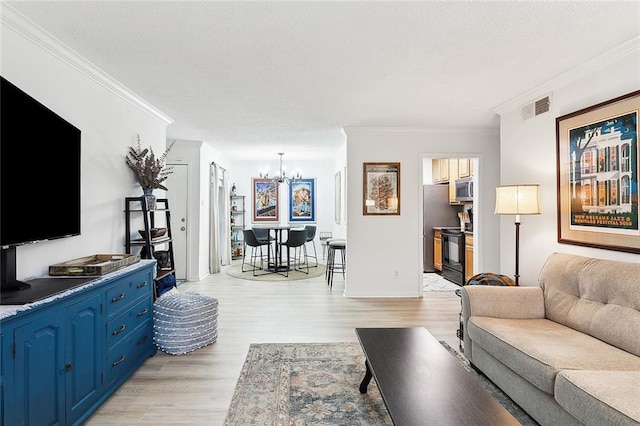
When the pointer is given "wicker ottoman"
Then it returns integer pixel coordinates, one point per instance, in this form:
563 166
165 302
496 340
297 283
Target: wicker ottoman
184 322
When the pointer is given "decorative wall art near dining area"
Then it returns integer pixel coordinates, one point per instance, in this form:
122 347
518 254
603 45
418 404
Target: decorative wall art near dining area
381 189
302 200
265 200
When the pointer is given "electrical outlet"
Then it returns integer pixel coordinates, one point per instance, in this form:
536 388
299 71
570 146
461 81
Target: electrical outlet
395 274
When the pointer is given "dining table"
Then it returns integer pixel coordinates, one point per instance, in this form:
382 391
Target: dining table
274 256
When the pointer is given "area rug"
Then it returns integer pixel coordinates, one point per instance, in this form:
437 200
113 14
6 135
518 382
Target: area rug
235 271
304 384
317 384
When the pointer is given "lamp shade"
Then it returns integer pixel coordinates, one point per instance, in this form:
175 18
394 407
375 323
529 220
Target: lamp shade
518 199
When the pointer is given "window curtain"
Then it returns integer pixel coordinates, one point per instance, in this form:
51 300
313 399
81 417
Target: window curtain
219 237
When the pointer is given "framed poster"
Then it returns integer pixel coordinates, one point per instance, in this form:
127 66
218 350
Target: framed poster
381 189
265 200
337 205
302 200
597 175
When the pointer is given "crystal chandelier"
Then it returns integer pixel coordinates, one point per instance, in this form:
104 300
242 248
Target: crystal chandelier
281 177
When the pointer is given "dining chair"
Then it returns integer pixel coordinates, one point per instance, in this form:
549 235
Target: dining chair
250 240
296 240
262 234
311 235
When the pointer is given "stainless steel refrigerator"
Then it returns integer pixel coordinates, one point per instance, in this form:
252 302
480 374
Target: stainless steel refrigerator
436 212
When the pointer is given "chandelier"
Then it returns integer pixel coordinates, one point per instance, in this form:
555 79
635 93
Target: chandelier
281 177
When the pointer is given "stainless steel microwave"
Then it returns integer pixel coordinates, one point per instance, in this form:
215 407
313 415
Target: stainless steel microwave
464 189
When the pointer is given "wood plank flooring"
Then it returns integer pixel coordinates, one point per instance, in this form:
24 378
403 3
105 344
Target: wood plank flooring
196 388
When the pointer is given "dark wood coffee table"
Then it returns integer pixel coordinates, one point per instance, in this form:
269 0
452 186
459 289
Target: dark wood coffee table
422 383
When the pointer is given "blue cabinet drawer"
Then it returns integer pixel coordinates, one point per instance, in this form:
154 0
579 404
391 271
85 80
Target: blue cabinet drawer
127 352
127 291
123 325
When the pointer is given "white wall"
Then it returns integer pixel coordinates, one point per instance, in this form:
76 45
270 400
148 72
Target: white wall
528 152
340 229
108 115
322 170
198 155
380 245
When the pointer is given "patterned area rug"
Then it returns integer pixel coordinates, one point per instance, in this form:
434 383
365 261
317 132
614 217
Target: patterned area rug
317 384
305 384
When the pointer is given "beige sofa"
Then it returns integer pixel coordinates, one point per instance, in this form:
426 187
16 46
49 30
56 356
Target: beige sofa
567 351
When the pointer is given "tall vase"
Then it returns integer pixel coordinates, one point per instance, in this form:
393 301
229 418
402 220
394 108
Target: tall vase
149 198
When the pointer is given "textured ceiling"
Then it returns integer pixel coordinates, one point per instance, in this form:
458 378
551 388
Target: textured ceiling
256 78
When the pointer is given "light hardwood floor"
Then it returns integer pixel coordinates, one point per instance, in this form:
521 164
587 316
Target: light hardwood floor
196 388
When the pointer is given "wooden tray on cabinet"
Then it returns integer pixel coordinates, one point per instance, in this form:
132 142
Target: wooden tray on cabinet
96 265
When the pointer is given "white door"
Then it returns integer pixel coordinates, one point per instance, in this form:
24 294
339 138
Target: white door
178 196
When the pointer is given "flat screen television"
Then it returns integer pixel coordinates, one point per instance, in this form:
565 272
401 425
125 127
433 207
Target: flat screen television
39 177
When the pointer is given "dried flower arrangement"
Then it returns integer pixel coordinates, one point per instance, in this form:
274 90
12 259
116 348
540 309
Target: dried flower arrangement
149 170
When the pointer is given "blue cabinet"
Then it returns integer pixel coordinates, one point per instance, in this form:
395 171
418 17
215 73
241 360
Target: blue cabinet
62 358
38 375
83 350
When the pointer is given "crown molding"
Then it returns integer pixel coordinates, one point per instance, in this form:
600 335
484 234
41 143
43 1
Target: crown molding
14 20
418 131
610 56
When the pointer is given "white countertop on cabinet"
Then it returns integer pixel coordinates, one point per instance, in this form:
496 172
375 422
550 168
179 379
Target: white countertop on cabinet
7 311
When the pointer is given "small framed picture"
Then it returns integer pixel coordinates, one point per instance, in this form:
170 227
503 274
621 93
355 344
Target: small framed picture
265 200
381 189
337 194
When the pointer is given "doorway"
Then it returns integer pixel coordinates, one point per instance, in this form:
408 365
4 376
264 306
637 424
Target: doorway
178 196
437 176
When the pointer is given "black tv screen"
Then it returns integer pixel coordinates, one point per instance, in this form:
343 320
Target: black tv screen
39 171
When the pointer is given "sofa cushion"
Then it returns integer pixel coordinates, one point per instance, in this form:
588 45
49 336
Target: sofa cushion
600 397
538 349
595 296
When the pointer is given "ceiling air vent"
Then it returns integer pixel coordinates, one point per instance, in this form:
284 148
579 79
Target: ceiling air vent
536 108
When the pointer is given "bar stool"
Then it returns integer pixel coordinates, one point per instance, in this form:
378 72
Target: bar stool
337 247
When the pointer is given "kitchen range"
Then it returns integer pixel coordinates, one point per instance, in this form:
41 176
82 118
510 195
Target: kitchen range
453 255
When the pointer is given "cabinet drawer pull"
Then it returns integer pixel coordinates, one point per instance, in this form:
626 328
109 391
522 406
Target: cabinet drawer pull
121 360
122 328
143 312
117 298
142 284
142 340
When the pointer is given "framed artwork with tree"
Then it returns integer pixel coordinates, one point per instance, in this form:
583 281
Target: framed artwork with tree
381 189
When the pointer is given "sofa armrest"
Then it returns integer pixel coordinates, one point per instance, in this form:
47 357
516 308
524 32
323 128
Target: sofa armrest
499 302
503 302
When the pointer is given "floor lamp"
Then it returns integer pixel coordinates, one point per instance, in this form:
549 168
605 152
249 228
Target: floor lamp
517 200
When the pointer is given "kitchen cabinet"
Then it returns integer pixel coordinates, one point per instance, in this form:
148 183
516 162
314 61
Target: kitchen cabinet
468 257
453 175
440 170
465 167
58 357
437 250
